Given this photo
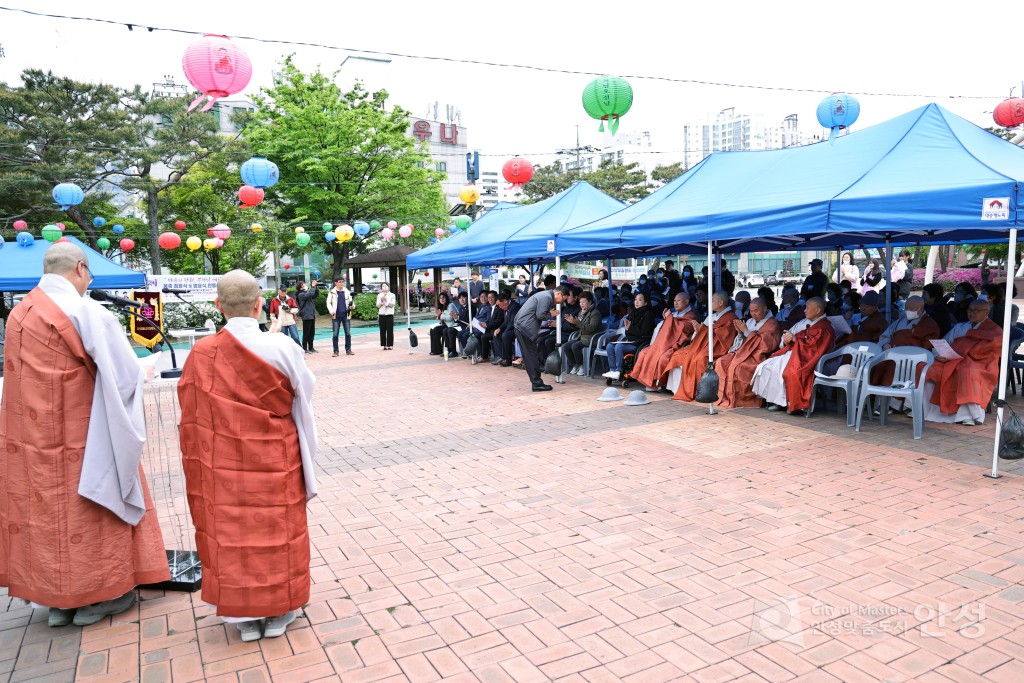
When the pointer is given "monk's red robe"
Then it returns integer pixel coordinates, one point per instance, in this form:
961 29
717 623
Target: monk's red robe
59 549
808 346
919 336
868 330
736 370
970 379
694 358
243 477
652 364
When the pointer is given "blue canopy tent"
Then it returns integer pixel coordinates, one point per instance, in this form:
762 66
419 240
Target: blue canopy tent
449 251
22 267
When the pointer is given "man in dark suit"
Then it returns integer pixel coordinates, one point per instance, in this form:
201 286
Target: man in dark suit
505 335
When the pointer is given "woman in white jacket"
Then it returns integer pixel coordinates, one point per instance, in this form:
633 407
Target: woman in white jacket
386 317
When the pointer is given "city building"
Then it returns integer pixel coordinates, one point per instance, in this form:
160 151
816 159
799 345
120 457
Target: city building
729 130
447 143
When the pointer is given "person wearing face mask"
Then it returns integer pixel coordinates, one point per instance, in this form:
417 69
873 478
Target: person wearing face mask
833 299
79 528
914 328
688 282
848 271
741 305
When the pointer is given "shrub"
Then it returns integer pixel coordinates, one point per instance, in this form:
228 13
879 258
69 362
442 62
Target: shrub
950 279
180 316
366 306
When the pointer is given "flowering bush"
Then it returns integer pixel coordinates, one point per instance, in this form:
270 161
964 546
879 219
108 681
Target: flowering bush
180 316
951 278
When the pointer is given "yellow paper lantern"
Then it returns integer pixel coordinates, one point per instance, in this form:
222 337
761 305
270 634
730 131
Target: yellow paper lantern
469 194
210 243
344 233
193 243
256 228
299 230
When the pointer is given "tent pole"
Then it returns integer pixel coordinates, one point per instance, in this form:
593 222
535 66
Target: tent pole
710 321
929 269
839 265
558 321
408 306
888 278
1004 359
469 304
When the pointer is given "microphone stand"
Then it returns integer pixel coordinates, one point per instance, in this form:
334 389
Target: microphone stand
189 303
174 371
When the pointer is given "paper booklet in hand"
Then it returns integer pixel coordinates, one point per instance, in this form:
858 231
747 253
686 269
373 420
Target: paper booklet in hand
942 349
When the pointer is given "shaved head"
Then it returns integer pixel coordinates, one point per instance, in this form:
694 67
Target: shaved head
61 259
758 308
237 292
814 307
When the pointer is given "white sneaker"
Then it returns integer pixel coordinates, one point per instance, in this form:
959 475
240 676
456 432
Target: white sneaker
613 374
276 626
969 422
580 371
250 630
575 370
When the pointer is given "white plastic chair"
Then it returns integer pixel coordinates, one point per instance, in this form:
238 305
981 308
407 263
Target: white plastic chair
564 349
904 384
860 353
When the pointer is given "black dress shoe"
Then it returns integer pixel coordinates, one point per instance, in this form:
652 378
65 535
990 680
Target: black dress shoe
505 363
542 387
774 408
797 413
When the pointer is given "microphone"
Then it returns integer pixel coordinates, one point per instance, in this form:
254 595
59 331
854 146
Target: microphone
169 290
99 295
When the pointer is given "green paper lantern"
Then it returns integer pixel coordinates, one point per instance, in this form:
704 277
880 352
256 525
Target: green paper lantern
302 239
608 98
51 233
103 243
374 225
463 222
326 227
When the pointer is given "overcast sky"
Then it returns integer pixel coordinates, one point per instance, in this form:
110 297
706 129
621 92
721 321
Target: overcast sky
896 47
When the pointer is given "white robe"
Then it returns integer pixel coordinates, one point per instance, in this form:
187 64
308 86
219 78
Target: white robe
752 326
117 425
966 411
286 356
768 382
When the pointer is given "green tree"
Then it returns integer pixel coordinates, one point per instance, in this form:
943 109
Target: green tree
625 182
206 198
663 175
344 157
547 182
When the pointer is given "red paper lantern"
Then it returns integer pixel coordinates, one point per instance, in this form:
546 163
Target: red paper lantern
180 225
63 239
287 266
127 245
216 67
1009 113
250 196
517 171
169 240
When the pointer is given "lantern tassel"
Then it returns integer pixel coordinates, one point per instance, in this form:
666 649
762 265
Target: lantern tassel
195 103
600 129
832 136
613 127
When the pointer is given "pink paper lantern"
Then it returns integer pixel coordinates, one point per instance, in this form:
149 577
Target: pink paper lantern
220 231
62 227
387 233
216 67
405 231
127 245
439 232
218 241
20 225
392 225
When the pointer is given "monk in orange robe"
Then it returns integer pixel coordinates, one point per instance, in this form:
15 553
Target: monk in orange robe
758 340
693 359
785 379
78 531
914 328
675 333
958 389
247 442
872 322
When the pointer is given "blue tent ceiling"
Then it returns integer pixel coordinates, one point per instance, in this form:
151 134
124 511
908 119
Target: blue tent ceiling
22 267
919 178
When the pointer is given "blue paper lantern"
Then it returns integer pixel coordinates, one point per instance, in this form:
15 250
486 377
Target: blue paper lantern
433 240
316 273
1 241
25 239
330 236
454 229
362 229
260 172
67 195
99 221
838 111
118 229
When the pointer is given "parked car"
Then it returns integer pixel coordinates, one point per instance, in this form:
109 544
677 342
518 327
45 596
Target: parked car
372 287
751 280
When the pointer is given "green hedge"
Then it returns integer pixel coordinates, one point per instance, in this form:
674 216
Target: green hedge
366 306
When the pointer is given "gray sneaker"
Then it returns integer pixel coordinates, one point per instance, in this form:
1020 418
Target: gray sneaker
60 617
276 626
90 614
250 630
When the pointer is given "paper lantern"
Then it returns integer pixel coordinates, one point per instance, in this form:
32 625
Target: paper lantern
99 221
608 98
250 196
193 243
220 231
345 232
127 244
287 266
218 242
454 229
1 241
517 171
316 273
169 240
361 228
392 225
63 239
118 229
24 239
433 240
469 194
405 231
326 226
330 236
1009 113
387 233
463 222
256 228
51 233
67 195
103 243
838 111
302 239
210 243
374 225
374 276
216 67
61 227
20 225
259 172
299 230
180 225
439 232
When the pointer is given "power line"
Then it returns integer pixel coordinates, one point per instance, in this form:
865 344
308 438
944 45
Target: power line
131 26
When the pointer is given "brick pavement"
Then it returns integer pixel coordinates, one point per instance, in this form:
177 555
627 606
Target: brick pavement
468 530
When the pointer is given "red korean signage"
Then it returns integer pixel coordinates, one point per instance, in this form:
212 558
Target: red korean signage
423 131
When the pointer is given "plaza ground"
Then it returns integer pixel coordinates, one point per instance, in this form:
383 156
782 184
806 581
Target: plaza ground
468 529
